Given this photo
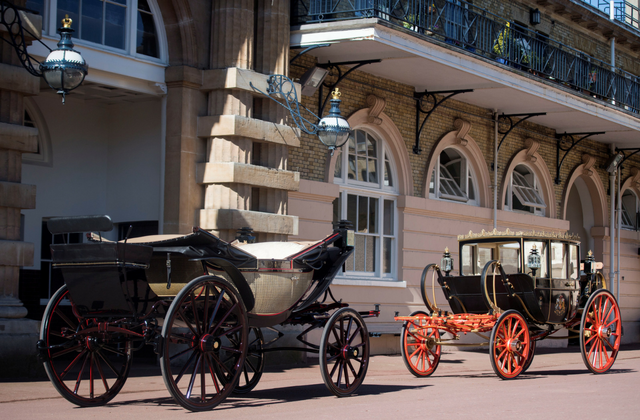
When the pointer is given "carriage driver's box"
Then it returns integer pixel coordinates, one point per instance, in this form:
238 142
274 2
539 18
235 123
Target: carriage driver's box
93 271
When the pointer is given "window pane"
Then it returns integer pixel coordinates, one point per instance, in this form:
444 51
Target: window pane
388 179
371 147
510 257
337 172
361 140
574 264
386 255
352 209
92 18
471 191
360 252
373 215
147 40
484 256
371 254
143 5
337 214
114 26
373 170
363 211
352 167
523 190
362 169
467 260
388 217
558 261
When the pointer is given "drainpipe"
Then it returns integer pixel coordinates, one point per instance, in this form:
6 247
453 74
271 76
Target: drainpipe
495 169
612 231
163 145
618 240
613 46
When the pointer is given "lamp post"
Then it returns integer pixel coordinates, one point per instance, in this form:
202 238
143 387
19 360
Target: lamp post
64 69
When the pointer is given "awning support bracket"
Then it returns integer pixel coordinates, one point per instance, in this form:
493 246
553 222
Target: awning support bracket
566 142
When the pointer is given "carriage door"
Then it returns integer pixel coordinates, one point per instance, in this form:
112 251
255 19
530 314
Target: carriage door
562 286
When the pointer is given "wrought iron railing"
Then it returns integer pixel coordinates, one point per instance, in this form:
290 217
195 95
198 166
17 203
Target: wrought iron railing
480 32
623 11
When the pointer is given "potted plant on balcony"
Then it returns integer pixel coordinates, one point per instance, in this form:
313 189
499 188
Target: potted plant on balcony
500 47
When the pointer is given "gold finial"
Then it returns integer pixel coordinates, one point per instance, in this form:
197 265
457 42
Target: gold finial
446 249
589 253
534 246
335 94
66 22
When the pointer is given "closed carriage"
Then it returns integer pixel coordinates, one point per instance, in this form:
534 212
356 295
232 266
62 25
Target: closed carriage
513 290
201 303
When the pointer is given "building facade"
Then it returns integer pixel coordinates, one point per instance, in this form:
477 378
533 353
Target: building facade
466 116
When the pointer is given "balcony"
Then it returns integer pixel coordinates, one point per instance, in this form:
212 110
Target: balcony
469 29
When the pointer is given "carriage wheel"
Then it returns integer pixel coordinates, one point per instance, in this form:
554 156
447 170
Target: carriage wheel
532 351
425 285
509 345
253 363
86 369
420 352
600 331
344 352
204 329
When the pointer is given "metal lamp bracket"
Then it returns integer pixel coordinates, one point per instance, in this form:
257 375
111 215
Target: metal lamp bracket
633 150
512 125
10 18
322 100
566 142
420 98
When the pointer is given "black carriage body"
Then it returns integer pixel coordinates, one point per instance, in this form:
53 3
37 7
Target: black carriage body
548 299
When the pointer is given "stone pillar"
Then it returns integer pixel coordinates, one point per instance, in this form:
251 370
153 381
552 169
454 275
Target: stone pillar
17 335
245 176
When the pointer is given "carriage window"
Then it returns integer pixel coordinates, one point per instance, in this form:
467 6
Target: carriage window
467 260
510 257
541 249
558 261
574 264
485 254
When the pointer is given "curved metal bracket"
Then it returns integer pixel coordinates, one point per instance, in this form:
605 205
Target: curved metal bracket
306 50
10 18
634 150
420 97
566 142
322 100
508 119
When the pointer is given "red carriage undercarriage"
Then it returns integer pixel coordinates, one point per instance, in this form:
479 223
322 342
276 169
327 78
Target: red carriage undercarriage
512 312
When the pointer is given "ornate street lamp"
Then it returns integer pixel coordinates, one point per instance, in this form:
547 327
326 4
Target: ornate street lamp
64 69
332 130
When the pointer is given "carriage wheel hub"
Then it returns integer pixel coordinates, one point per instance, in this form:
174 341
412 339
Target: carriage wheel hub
209 343
92 343
604 332
349 352
515 345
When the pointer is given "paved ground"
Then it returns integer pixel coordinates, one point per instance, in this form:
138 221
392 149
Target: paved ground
557 385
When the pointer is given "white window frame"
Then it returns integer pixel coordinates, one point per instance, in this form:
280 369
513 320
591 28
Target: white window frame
440 173
372 190
627 218
51 25
528 194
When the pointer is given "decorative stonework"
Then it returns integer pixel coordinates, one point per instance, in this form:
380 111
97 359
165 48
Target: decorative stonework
635 177
463 128
588 161
495 233
532 147
376 107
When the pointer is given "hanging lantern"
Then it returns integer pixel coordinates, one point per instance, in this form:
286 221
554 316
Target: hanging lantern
446 264
533 260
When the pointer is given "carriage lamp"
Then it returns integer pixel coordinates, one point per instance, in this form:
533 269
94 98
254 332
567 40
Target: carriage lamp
446 263
589 264
332 130
533 260
64 69
245 235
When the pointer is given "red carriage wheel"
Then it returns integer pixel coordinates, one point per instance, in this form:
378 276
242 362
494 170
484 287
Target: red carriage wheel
532 351
600 331
509 345
418 344
88 369
344 352
204 343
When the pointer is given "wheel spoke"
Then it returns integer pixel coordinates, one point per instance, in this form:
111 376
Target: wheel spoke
101 373
84 364
195 314
196 368
213 375
109 364
184 319
215 310
224 318
175 356
185 367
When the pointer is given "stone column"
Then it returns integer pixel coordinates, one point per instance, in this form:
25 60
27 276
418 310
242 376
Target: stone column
17 335
245 176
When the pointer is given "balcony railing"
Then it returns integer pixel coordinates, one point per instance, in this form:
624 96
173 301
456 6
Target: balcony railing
623 11
480 32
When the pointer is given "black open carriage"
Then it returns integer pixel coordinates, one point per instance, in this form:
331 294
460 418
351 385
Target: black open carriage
519 287
201 303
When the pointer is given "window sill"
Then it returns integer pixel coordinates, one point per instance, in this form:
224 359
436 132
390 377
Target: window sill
364 282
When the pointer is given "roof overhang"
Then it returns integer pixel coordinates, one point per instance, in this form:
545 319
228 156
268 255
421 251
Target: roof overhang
426 63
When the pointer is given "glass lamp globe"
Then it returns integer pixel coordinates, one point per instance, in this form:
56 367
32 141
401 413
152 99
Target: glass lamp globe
334 130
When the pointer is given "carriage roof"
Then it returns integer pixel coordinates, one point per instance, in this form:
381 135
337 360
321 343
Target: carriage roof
502 236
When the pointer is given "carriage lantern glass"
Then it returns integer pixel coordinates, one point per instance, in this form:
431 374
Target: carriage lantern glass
533 260
64 69
589 264
446 264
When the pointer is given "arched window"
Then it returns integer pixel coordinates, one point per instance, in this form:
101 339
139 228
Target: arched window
453 178
630 210
366 173
523 192
127 25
